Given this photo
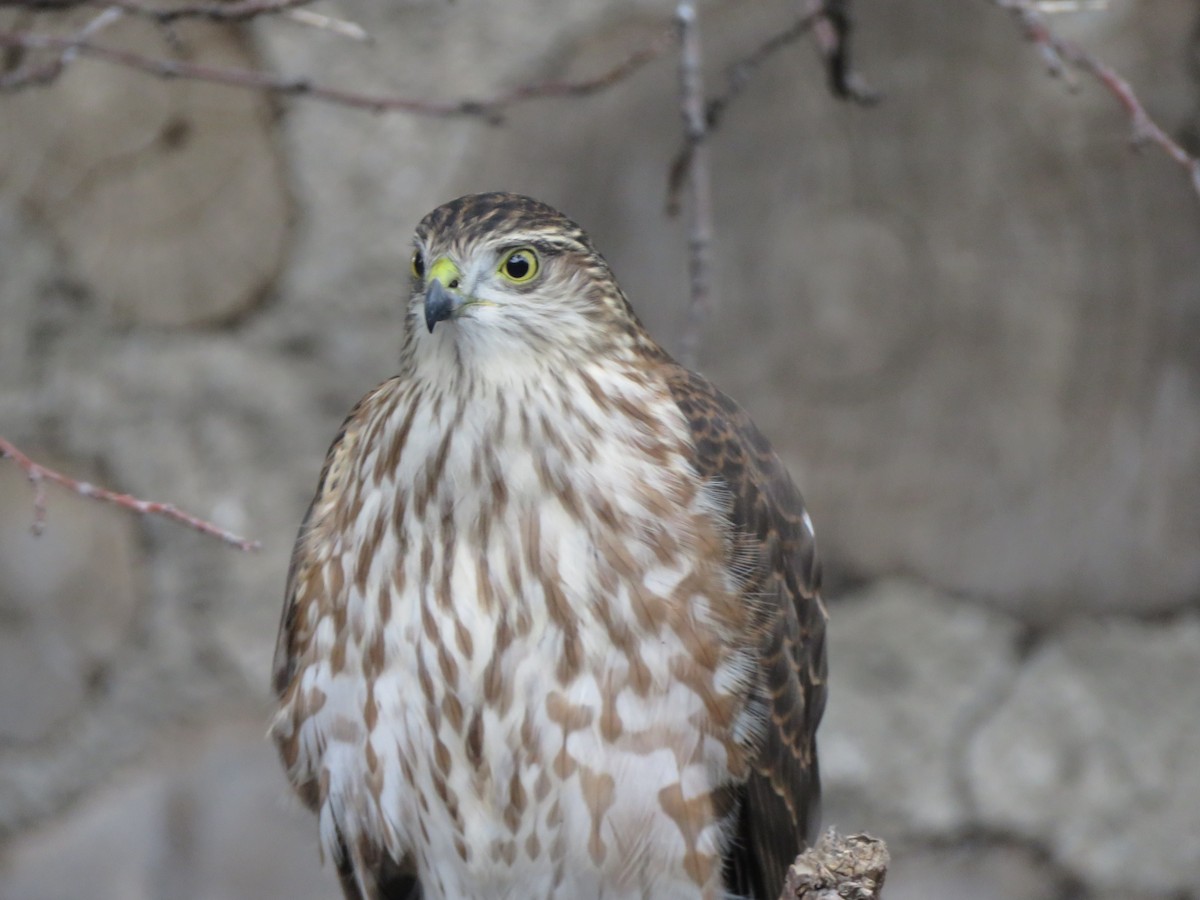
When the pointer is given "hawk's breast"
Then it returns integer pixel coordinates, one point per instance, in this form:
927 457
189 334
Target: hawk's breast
524 660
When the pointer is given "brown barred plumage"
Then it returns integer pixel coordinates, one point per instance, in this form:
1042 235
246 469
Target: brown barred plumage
552 625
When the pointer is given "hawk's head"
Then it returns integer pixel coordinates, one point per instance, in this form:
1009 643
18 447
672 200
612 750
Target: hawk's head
497 273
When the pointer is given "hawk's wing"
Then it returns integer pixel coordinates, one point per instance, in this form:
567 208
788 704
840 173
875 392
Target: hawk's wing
779 803
387 880
306 576
304 571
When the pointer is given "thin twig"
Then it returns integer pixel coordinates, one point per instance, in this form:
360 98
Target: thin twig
340 27
1059 53
490 109
833 27
831 22
106 17
700 231
233 11
650 51
39 474
1070 6
737 76
51 69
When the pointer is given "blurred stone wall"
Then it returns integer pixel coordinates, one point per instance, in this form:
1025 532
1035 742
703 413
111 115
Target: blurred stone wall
968 318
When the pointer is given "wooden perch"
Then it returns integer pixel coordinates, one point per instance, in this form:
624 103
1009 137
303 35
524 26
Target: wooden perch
838 868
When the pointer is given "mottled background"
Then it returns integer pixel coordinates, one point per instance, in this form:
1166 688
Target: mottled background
968 318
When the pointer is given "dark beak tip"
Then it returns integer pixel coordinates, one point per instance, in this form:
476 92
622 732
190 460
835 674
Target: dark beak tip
439 304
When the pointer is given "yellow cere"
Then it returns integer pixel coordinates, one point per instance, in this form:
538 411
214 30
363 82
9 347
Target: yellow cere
446 272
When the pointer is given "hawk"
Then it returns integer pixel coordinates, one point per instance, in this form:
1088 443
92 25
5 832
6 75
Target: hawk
552 626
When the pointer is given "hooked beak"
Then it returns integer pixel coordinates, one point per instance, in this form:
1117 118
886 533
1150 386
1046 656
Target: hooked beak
442 297
440 304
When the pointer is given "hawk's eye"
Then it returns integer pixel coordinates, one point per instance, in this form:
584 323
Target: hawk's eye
519 265
418 264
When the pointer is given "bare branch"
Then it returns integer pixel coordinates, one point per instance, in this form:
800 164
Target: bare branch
649 52
737 76
39 474
233 11
690 164
106 17
830 21
833 26
1059 54
340 27
700 231
490 109
50 70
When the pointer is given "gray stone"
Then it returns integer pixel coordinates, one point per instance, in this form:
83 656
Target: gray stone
166 197
1140 894
27 265
204 816
909 670
165 677
1094 753
970 871
225 431
67 600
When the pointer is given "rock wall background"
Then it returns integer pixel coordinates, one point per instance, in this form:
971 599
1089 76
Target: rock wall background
968 318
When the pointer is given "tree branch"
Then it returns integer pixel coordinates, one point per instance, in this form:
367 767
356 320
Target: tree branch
233 11
1059 54
39 474
737 76
832 26
50 70
830 21
490 109
700 231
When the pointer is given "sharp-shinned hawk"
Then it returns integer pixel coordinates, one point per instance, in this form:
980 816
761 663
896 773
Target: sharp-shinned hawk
552 626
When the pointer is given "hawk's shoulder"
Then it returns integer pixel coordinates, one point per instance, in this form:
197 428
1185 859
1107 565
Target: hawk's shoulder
306 563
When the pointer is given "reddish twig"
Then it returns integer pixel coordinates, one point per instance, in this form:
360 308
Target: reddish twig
39 474
1059 53
700 232
490 109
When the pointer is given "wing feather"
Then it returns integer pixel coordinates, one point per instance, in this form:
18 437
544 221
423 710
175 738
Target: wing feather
304 564
306 582
780 800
